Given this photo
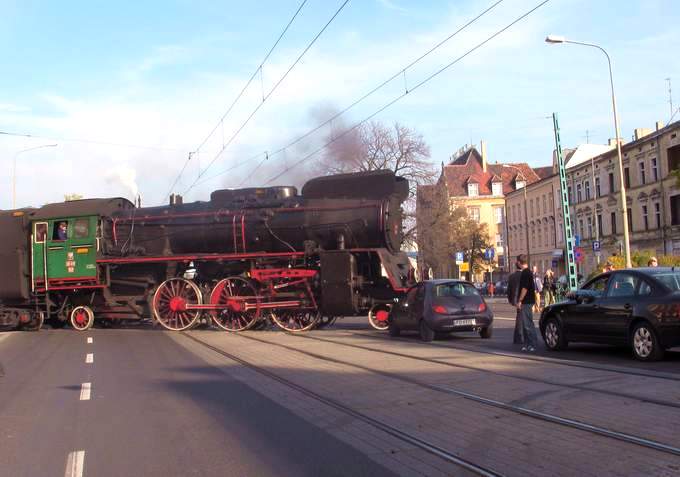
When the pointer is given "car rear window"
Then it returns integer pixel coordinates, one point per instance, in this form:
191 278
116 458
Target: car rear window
455 289
670 279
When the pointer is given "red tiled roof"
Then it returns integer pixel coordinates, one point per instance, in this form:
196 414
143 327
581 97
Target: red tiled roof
544 172
468 167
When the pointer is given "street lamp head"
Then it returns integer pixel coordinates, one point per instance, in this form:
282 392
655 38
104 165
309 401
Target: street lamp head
555 39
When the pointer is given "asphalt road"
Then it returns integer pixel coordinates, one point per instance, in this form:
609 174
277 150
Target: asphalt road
154 409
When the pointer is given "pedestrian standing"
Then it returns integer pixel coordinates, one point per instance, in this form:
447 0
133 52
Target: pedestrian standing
525 304
491 288
513 294
549 288
653 262
538 288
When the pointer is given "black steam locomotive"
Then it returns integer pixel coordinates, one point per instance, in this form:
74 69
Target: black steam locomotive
244 257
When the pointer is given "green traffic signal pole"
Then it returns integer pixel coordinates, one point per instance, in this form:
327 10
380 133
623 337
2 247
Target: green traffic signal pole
568 234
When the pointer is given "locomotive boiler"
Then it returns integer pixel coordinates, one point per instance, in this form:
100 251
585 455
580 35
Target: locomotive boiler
241 258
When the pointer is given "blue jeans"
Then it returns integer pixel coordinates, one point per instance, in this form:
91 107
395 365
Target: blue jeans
528 328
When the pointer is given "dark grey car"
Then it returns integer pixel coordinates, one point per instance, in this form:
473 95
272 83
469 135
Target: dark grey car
441 306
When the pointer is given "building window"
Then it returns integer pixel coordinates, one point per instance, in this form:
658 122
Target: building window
551 204
540 237
580 227
629 211
498 214
655 170
531 207
497 188
626 177
578 193
598 192
587 187
643 177
611 183
473 213
600 230
545 204
613 219
499 240
590 227
645 219
657 214
570 195
473 189
675 210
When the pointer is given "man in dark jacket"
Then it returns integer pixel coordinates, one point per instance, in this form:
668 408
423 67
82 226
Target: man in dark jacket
525 304
513 294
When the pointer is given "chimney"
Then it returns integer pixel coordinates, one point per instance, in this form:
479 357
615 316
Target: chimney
639 133
482 146
659 125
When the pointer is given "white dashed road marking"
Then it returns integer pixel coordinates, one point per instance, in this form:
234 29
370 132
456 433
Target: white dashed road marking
85 390
89 358
89 340
75 463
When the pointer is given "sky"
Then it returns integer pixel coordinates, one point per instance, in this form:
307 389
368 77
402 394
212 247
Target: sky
126 90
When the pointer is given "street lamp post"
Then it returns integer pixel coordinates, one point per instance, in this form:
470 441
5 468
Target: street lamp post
526 212
14 170
624 205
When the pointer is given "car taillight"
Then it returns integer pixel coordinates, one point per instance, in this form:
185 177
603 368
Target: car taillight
482 307
439 309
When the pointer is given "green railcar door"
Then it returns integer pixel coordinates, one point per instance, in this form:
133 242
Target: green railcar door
68 250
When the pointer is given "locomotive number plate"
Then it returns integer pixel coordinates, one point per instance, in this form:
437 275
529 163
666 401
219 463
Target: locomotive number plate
464 322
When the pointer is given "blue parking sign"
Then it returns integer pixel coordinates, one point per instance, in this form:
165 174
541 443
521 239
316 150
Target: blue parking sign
596 245
460 257
577 240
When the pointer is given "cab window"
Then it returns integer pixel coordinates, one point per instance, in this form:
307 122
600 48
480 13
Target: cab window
40 232
60 231
645 289
622 285
81 228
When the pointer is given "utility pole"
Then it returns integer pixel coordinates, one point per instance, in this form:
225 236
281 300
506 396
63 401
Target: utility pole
670 96
568 235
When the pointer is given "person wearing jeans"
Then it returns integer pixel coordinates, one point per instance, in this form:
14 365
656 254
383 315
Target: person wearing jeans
525 304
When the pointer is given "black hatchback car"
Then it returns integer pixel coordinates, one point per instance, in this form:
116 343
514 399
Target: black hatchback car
635 307
441 306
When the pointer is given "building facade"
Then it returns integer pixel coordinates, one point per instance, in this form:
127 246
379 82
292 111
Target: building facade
469 181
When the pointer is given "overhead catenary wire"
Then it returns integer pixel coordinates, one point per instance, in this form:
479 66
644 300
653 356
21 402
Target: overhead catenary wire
415 87
237 98
401 72
268 95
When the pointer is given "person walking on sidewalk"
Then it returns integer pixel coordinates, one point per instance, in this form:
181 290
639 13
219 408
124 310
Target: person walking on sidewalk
538 288
513 294
525 304
549 288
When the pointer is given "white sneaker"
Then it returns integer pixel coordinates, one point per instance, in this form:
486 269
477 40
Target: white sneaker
531 349
524 349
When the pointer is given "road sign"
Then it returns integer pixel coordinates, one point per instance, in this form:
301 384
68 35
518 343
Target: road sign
465 267
577 240
459 258
578 254
596 245
489 253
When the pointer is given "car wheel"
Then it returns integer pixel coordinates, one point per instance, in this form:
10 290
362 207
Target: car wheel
393 330
486 332
553 335
426 333
646 346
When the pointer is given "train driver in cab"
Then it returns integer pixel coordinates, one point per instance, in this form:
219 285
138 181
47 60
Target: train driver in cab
62 231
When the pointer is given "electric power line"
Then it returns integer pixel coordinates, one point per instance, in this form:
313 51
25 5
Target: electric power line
421 83
402 71
238 97
268 95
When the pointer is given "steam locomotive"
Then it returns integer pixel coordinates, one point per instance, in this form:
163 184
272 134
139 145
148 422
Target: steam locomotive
245 257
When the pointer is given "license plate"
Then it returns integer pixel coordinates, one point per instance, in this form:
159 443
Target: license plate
464 322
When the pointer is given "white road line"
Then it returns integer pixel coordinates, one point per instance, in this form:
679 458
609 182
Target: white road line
89 358
75 463
503 318
89 340
85 390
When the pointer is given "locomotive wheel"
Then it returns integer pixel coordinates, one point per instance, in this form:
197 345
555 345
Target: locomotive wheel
170 304
295 320
326 321
82 318
234 316
37 320
377 317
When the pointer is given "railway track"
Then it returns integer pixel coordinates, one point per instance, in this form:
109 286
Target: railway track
579 387
545 417
406 437
526 357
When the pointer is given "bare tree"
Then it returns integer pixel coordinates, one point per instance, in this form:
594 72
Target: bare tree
375 146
